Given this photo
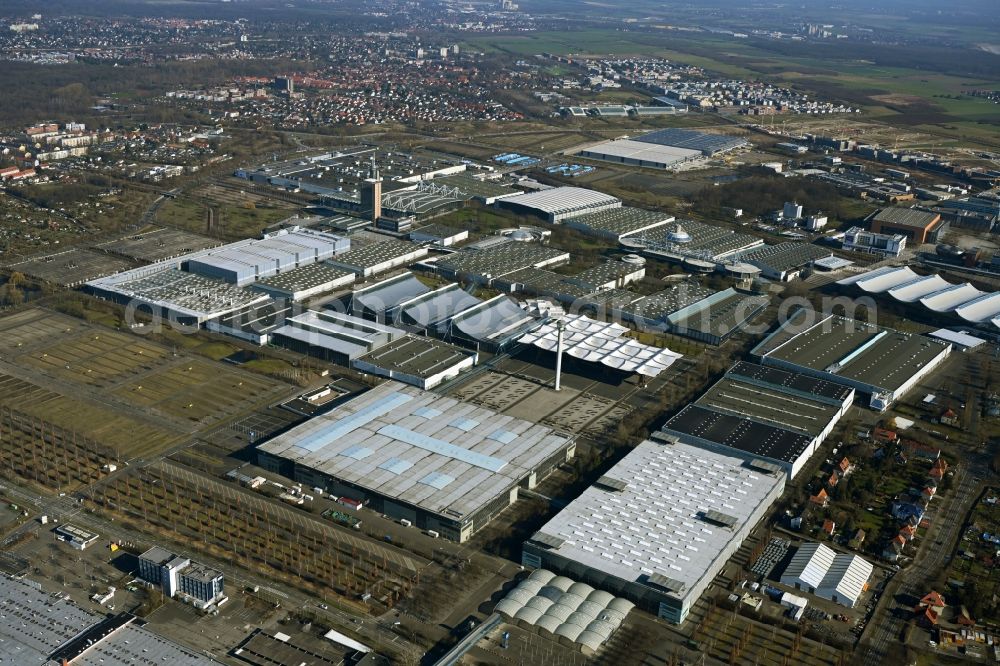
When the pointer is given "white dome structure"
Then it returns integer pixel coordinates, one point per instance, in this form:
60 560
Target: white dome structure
574 612
678 235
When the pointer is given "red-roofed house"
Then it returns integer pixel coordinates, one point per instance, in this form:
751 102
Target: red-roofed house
883 435
845 466
964 618
929 609
833 480
939 469
949 417
908 532
820 498
829 527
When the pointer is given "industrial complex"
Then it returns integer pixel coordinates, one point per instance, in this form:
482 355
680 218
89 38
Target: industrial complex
436 333
436 462
765 412
878 362
659 525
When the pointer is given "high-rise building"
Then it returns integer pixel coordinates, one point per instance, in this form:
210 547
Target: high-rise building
371 194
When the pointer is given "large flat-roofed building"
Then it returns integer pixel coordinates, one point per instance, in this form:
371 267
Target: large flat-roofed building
764 412
784 261
251 260
441 464
484 265
716 318
879 362
306 282
708 145
379 257
39 629
617 223
659 525
640 154
692 311
919 226
692 240
558 203
419 361
177 296
333 336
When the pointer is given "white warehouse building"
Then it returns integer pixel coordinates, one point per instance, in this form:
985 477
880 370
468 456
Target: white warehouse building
840 577
660 525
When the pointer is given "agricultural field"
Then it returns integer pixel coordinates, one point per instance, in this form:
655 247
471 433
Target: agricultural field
253 532
922 93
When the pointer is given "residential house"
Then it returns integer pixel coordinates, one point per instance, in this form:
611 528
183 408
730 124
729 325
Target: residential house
931 453
821 498
857 539
894 549
929 609
833 480
939 469
829 527
845 467
949 418
883 435
964 618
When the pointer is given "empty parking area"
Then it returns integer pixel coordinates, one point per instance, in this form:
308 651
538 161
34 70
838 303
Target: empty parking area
199 391
130 436
96 358
29 328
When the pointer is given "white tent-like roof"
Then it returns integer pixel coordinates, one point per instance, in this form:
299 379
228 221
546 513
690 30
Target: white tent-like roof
885 281
601 342
575 611
951 297
980 309
914 290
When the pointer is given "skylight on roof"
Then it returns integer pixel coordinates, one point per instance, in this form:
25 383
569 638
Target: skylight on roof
357 452
395 465
427 412
464 424
502 436
436 480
